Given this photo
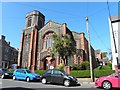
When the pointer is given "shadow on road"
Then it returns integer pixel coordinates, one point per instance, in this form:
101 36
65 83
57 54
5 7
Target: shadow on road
63 85
16 88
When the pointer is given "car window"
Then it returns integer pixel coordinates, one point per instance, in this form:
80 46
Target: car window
119 74
114 74
63 72
56 72
48 72
22 71
28 71
18 70
6 70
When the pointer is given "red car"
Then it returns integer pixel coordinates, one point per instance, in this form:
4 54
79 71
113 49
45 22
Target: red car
108 82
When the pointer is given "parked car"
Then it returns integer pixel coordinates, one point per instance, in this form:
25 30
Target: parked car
5 73
25 74
108 82
58 76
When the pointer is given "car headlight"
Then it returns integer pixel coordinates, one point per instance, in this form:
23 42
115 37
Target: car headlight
97 80
6 74
73 78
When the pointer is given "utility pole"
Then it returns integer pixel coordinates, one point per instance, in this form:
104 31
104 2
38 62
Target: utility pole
90 58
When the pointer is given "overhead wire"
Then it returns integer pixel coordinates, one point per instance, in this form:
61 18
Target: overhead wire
67 14
97 35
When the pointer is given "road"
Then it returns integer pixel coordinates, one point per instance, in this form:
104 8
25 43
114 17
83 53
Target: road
23 85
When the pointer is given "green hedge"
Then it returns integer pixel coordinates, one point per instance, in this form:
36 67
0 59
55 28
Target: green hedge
11 70
86 73
81 73
100 73
106 67
40 72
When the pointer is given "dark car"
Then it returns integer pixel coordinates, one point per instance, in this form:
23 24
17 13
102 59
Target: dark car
5 73
58 76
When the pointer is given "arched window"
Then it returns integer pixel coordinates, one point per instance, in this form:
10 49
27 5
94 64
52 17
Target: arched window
47 41
29 22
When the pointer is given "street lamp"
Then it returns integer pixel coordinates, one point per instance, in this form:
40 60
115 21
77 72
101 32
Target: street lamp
90 58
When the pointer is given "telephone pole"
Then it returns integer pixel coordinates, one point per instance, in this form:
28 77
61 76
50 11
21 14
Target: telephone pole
90 58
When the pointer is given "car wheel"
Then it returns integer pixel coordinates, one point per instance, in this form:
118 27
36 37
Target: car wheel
66 83
28 79
2 76
14 77
44 81
106 85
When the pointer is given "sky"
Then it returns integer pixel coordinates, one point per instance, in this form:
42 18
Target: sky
72 13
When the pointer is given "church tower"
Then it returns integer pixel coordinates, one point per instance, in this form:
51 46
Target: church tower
28 44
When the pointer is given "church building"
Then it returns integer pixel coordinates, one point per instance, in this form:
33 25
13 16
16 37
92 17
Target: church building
36 43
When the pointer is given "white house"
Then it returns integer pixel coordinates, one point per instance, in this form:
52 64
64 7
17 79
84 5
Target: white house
114 24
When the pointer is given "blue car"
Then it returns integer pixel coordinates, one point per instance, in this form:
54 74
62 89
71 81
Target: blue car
24 74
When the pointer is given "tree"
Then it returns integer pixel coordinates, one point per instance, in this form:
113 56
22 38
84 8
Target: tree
64 46
104 54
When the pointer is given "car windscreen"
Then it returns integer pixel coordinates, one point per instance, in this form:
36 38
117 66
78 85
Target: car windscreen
28 71
6 70
63 72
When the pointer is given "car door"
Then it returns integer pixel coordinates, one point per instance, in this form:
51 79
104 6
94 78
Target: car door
57 76
17 74
114 79
23 74
47 75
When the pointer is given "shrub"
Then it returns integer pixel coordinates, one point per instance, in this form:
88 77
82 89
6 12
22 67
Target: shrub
11 70
103 68
80 73
86 73
85 65
110 65
60 67
40 72
100 73
76 67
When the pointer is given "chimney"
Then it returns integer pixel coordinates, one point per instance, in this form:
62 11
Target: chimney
8 43
2 37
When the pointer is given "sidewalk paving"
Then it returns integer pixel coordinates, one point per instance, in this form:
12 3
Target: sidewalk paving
85 80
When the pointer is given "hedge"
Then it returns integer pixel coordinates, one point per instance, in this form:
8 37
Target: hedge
11 70
40 72
81 73
106 67
86 73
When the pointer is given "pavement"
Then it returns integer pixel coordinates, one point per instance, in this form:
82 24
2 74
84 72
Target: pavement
0 83
85 80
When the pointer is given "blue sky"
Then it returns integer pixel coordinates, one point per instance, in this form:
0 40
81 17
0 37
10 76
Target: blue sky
13 19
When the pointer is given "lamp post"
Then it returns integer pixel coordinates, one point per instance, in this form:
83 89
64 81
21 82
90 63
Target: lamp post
90 58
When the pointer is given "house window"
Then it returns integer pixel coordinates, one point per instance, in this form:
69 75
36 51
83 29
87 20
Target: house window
29 22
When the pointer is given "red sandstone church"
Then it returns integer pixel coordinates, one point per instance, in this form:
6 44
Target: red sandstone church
36 41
